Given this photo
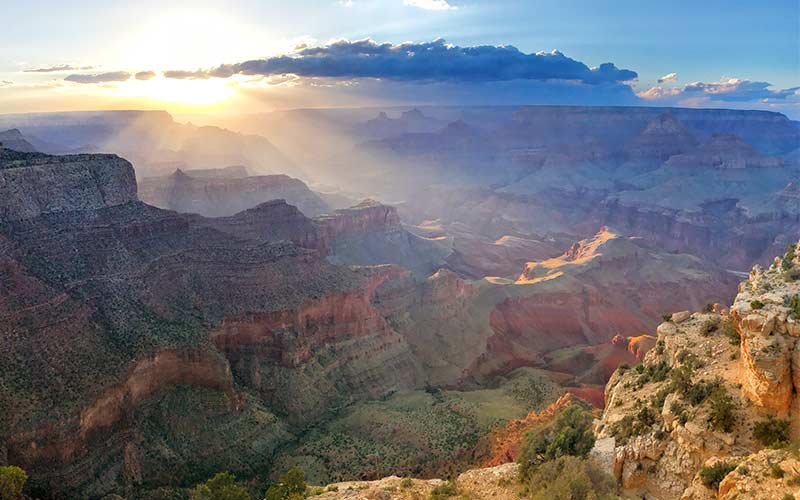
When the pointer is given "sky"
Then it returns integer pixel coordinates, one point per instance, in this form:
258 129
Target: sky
258 55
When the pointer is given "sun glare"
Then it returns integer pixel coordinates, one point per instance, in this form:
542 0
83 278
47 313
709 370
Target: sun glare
186 94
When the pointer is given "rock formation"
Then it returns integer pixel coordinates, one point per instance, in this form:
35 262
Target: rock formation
34 184
13 139
662 138
697 402
725 151
215 195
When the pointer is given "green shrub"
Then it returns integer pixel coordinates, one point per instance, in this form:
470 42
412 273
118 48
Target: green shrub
756 304
700 391
220 487
569 434
652 373
291 486
722 417
635 424
776 471
730 331
772 432
569 478
681 379
666 318
794 305
708 308
12 480
444 490
786 262
713 475
788 496
709 326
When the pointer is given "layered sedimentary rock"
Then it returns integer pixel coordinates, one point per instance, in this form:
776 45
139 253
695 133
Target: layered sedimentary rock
371 233
110 306
724 151
662 138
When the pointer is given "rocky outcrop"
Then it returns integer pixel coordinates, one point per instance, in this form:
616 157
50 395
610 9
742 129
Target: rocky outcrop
34 184
218 196
695 399
370 233
767 315
663 137
499 483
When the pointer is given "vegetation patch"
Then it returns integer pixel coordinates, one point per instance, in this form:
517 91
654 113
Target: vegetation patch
220 487
772 432
711 476
12 480
569 434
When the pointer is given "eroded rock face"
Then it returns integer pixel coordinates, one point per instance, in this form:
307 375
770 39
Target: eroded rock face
218 196
665 416
34 184
766 319
109 306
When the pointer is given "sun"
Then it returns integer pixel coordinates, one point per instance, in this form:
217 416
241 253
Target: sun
188 95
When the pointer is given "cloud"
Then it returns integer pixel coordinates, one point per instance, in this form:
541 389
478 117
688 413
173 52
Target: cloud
188 75
726 90
59 67
6 83
734 89
430 4
145 75
114 76
432 61
346 3
658 93
668 78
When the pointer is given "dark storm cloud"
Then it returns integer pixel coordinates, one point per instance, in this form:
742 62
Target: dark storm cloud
114 76
433 61
59 67
145 75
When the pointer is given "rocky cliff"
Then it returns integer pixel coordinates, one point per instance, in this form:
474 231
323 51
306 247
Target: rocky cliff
214 196
116 313
35 184
715 392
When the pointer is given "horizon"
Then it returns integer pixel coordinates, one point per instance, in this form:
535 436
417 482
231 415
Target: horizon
215 59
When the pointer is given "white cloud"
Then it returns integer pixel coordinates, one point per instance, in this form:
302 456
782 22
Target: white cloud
346 3
658 93
668 78
430 4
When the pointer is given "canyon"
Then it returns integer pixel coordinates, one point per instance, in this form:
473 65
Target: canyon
214 304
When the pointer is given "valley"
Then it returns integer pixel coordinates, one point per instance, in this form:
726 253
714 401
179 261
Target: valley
180 300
